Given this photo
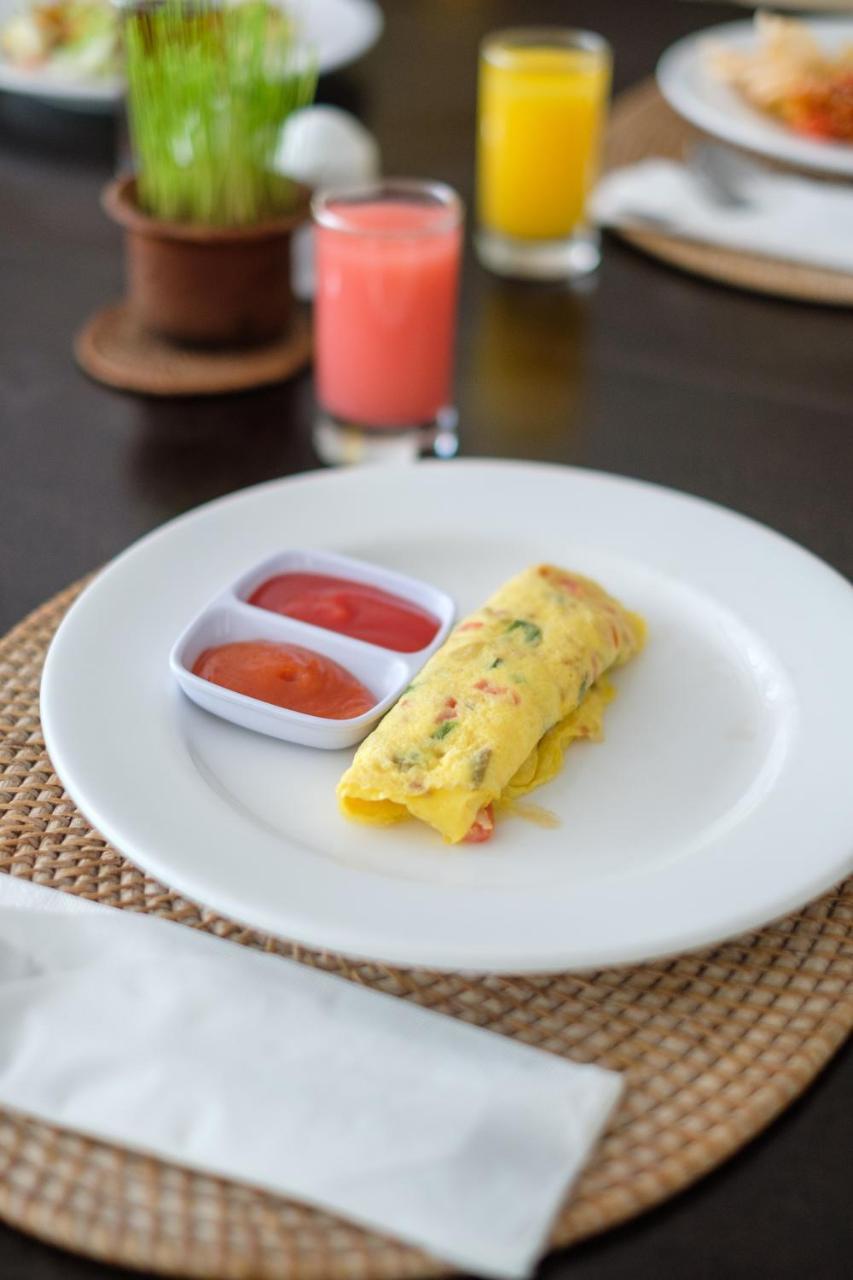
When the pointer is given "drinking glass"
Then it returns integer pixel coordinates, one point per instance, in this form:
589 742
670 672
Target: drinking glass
542 104
387 271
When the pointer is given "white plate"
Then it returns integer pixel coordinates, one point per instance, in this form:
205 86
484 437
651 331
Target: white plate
690 88
720 799
339 31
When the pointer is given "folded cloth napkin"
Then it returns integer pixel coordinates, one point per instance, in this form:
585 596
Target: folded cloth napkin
794 219
238 1063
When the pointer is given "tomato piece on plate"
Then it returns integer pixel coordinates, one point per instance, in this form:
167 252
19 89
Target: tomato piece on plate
483 828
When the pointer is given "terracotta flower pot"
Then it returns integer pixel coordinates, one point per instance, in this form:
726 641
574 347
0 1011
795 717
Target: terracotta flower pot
206 286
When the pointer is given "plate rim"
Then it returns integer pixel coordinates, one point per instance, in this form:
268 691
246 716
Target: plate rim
483 962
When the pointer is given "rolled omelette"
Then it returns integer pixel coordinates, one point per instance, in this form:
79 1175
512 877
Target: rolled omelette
490 715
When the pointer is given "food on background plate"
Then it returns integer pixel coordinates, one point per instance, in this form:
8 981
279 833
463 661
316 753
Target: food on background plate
286 675
80 39
792 78
355 609
490 715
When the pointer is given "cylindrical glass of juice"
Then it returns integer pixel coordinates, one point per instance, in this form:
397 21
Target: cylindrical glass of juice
542 104
387 273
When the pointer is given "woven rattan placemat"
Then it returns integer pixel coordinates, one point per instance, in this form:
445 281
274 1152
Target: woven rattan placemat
113 348
713 1046
641 126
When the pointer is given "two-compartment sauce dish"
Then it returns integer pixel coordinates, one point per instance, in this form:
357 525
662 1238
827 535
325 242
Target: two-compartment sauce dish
310 646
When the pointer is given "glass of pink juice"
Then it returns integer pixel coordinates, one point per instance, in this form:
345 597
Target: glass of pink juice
387 272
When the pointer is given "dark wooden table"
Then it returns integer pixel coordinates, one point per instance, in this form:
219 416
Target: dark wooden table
650 373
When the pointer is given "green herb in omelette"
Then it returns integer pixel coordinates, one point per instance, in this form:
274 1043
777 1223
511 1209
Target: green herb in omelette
532 633
479 765
408 760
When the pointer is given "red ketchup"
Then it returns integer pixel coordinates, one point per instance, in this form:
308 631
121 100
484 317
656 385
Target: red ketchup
287 676
354 608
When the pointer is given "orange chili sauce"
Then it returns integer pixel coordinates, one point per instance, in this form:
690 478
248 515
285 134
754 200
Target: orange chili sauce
286 675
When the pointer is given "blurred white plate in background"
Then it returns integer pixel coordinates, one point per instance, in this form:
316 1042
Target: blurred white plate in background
690 87
339 31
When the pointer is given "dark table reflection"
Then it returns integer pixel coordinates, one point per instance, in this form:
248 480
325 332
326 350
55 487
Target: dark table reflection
183 452
526 368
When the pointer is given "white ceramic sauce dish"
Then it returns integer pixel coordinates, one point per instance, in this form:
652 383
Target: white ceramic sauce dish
229 618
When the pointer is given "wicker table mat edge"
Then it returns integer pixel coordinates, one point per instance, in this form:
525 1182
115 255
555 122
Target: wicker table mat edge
714 1046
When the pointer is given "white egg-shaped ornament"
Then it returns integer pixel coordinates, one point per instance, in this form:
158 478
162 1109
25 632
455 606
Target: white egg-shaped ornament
324 146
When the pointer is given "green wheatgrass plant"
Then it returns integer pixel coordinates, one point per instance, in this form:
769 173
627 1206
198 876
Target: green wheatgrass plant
209 88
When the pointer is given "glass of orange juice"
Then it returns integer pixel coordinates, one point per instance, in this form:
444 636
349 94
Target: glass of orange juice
542 105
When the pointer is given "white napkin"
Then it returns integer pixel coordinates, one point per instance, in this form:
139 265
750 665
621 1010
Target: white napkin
247 1065
790 218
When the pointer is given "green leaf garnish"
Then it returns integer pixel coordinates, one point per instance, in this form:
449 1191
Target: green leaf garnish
532 633
479 765
408 761
443 729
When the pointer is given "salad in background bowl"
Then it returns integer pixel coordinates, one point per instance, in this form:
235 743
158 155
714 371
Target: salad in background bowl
70 39
81 39
68 52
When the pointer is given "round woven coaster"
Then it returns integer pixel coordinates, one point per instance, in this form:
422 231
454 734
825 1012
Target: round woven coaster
113 348
641 126
712 1045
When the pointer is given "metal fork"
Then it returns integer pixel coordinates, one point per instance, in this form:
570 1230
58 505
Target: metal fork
725 176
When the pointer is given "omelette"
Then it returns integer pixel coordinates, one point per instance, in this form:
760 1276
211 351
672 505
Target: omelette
491 714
